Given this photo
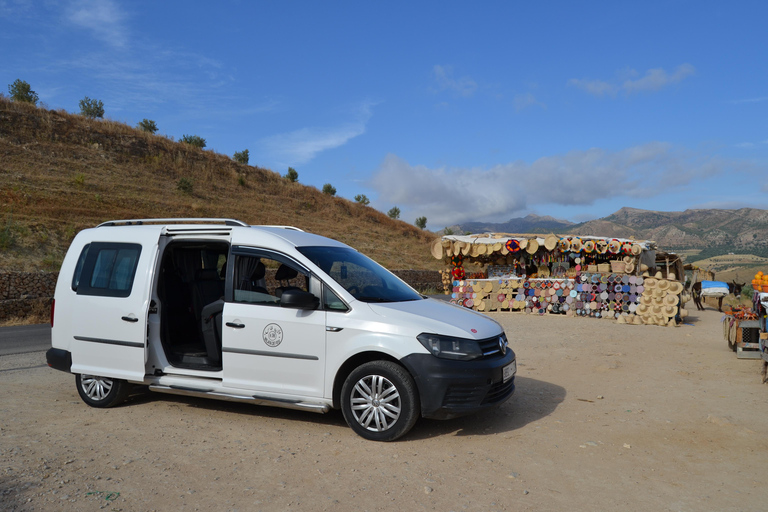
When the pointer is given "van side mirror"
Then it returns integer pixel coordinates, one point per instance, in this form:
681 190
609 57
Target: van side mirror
299 299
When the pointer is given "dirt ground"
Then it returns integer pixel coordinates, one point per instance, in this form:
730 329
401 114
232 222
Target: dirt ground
605 417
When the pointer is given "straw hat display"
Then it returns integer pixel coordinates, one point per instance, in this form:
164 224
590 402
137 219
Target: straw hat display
614 246
436 248
550 242
576 245
565 244
589 246
532 246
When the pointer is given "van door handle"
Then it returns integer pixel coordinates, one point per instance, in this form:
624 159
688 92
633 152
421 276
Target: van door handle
131 319
236 326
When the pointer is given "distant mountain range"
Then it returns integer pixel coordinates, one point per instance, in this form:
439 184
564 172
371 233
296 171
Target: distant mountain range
711 231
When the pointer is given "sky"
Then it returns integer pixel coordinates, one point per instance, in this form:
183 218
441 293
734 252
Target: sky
456 111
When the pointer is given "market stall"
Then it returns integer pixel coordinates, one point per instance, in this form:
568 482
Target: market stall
589 276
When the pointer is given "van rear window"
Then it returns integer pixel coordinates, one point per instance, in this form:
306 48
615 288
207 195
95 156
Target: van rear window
107 269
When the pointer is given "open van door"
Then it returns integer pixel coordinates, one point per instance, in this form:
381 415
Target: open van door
112 285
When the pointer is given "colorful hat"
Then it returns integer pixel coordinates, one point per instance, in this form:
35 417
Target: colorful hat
512 245
614 246
565 244
576 245
589 246
601 246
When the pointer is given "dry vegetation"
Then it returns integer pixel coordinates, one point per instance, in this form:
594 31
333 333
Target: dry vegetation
60 173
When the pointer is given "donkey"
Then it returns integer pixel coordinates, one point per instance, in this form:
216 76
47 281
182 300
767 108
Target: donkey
733 287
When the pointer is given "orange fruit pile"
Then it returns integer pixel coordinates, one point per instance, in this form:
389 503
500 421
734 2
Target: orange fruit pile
760 282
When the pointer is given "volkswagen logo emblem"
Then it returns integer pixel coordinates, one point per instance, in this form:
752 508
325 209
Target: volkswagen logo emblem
503 345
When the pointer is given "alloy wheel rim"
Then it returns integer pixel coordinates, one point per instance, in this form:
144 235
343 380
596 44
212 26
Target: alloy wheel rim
96 388
375 403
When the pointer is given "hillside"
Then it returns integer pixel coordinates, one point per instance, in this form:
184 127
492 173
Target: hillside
60 173
528 224
700 233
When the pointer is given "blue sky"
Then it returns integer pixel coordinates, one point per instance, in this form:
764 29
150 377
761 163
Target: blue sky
456 111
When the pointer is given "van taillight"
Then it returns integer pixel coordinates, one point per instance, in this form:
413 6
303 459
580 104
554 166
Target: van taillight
53 307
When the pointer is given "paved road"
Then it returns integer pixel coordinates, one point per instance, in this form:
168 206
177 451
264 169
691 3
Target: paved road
24 338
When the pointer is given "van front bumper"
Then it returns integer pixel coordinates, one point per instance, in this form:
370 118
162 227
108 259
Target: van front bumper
59 359
449 389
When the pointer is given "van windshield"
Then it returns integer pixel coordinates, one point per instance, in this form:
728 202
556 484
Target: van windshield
362 277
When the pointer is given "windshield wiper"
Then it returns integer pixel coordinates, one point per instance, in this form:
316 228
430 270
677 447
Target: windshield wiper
373 299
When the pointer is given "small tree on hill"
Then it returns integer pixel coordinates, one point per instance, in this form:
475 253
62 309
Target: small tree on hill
362 199
22 91
147 125
91 108
241 156
394 212
292 175
329 189
194 140
421 222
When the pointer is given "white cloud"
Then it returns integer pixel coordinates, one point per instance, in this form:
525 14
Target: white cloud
301 146
653 80
657 78
594 87
522 101
578 178
102 17
463 86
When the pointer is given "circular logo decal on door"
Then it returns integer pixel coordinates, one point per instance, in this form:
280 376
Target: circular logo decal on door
272 335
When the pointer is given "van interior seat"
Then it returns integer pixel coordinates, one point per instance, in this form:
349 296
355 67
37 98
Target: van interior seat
207 288
211 329
285 273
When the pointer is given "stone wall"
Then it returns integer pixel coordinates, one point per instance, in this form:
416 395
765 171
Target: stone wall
26 295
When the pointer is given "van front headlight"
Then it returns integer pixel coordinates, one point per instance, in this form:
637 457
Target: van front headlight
450 347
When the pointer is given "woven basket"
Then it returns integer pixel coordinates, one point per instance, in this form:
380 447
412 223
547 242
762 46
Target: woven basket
617 267
603 268
592 269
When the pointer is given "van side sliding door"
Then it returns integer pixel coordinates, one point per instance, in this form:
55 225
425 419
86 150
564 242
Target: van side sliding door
109 323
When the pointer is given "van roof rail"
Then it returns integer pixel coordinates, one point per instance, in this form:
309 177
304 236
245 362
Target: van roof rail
192 220
280 227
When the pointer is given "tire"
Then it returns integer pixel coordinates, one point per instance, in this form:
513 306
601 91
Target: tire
379 401
101 392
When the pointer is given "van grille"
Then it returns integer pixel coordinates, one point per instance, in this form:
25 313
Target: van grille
490 347
467 396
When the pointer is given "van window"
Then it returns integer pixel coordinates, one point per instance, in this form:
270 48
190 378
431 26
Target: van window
79 267
261 279
107 270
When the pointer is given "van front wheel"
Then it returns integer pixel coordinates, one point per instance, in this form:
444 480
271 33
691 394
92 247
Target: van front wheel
101 391
379 401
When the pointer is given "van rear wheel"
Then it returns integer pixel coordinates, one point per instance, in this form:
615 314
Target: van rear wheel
379 401
101 391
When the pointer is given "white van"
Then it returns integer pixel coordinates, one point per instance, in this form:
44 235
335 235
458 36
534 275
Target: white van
269 315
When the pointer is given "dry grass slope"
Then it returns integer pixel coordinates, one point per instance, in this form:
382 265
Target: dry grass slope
60 173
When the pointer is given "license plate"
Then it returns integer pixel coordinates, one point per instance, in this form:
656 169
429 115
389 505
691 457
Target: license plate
509 371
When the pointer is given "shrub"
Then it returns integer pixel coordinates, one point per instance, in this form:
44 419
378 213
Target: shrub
292 175
91 108
193 140
241 156
329 189
22 91
421 222
147 125
241 180
447 231
362 199
394 212
185 185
